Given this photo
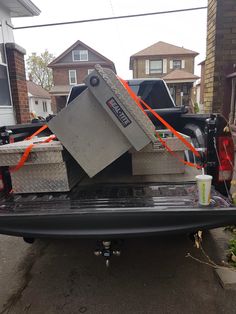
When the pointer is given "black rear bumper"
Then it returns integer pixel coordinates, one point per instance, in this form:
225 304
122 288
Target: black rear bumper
114 223
113 212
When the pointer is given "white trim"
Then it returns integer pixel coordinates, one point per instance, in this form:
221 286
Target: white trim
30 6
60 94
90 71
179 81
22 8
146 66
171 64
75 75
9 86
183 64
164 66
73 56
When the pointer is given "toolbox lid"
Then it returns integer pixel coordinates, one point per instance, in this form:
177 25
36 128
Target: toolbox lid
19 147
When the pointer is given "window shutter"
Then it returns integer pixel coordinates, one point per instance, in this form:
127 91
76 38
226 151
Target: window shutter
164 65
171 64
183 64
146 66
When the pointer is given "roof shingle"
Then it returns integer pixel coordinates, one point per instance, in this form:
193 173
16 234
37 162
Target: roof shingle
37 91
162 48
181 75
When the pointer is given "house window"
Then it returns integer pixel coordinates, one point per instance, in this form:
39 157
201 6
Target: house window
176 64
36 102
5 98
2 54
80 55
45 108
155 66
72 77
90 70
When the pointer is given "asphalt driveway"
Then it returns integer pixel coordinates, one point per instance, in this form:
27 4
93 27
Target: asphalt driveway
151 276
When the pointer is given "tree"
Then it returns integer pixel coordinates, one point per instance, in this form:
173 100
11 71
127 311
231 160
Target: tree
38 71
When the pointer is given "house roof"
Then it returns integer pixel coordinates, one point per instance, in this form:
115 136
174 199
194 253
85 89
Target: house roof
162 48
78 42
180 76
202 63
81 64
35 90
60 90
20 8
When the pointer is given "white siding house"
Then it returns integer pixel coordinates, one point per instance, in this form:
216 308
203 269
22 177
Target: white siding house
9 9
39 100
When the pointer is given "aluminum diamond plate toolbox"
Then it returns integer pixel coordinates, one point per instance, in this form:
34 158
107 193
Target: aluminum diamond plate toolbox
154 159
48 168
102 123
10 154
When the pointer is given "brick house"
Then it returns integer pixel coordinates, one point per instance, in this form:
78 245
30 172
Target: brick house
172 63
14 106
71 67
220 65
202 84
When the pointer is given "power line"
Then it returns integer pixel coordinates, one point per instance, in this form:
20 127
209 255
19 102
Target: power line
109 18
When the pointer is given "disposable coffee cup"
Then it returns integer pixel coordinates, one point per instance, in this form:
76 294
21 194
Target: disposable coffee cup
204 189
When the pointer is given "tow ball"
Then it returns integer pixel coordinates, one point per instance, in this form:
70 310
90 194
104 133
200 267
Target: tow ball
106 250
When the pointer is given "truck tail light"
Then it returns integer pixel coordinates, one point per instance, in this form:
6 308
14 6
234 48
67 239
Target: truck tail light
226 158
11 139
1 181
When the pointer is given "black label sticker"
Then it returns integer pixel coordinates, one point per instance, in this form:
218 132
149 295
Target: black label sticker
118 112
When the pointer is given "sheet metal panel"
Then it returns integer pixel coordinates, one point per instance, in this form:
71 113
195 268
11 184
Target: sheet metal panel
10 154
97 128
48 168
154 158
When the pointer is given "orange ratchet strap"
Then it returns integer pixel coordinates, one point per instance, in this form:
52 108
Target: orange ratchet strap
132 94
188 163
166 124
27 151
36 133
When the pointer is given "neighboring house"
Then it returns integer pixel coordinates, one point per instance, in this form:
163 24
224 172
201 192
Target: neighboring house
71 67
199 89
173 64
13 91
39 100
220 65
202 83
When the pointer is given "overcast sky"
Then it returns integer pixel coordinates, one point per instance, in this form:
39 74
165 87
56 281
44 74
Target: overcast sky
115 39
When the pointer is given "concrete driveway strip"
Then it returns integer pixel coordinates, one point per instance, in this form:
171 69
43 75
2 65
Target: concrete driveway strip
151 276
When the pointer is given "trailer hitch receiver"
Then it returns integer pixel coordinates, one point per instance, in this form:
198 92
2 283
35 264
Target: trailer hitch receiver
105 249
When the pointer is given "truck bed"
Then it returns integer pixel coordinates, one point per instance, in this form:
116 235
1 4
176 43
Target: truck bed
115 205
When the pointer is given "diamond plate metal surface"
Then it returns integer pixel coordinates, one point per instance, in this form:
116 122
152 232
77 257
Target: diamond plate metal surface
44 178
92 127
122 94
149 163
171 141
11 154
47 168
154 158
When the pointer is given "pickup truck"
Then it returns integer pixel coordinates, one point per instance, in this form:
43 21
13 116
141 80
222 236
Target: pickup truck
115 204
